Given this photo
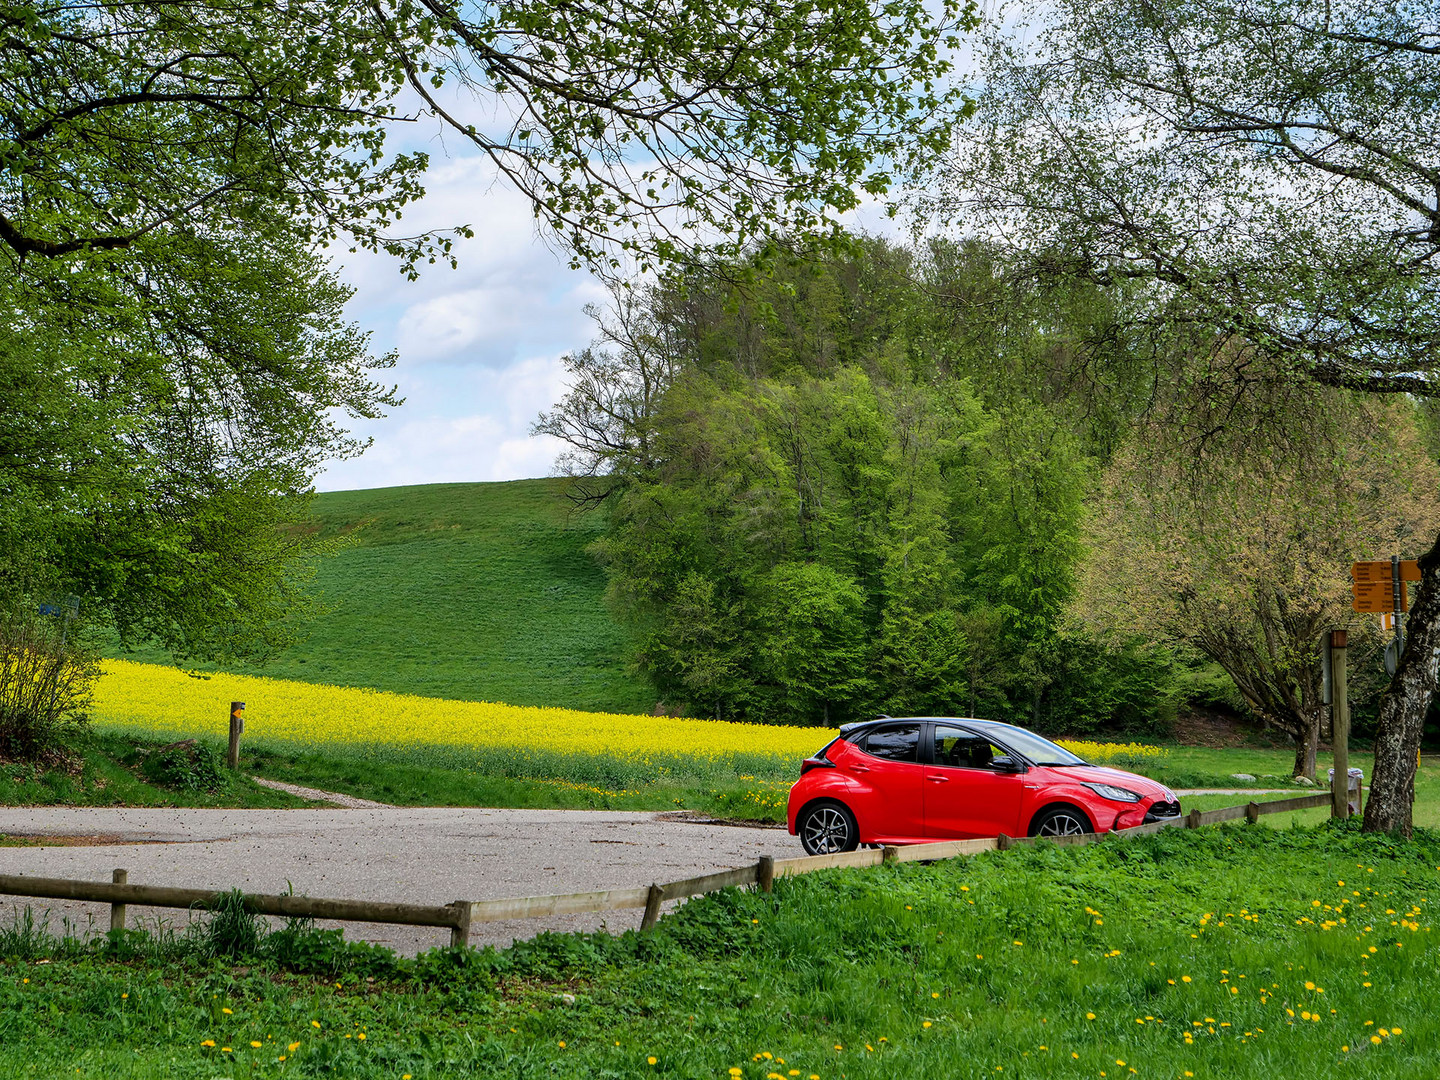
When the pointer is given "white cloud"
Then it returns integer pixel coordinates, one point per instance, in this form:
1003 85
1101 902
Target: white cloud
421 444
479 346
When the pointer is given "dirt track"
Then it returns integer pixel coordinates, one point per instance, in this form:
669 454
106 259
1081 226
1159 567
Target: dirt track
422 856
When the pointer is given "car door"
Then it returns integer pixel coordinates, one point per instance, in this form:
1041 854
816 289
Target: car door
965 796
887 798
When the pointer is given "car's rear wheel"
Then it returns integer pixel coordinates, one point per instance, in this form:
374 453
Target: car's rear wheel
1060 821
828 827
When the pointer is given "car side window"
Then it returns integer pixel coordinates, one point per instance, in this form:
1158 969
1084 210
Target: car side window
963 749
899 743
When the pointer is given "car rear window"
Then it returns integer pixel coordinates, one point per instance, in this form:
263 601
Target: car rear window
898 743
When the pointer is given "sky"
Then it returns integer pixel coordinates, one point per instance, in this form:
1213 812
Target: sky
479 346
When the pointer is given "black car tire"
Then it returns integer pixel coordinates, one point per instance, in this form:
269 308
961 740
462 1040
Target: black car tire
1061 821
827 827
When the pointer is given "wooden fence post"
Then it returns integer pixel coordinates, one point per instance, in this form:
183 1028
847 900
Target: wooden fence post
765 873
1252 812
1192 820
460 932
652 907
889 853
1340 728
117 911
237 725
1004 843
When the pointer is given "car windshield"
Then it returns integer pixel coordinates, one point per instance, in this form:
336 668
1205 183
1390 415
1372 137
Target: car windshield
1038 750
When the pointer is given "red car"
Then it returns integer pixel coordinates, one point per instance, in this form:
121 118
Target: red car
920 779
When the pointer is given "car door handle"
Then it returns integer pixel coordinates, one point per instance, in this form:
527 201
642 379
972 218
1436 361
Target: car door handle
938 779
859 768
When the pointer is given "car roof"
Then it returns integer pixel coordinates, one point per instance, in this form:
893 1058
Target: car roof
847 730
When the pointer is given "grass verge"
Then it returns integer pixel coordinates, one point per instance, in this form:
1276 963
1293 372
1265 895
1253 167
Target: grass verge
109 769
1223 952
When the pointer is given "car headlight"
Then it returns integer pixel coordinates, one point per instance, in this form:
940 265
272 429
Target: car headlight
1118 794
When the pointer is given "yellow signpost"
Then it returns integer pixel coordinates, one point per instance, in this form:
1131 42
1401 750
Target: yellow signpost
1380 589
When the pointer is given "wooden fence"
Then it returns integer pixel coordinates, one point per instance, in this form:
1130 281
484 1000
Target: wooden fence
461 915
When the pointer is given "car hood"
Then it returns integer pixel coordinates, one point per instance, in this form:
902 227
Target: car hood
1101 774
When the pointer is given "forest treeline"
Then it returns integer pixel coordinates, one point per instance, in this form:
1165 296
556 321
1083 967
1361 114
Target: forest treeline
870 483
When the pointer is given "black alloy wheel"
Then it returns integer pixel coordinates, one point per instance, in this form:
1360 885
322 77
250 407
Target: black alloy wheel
827 828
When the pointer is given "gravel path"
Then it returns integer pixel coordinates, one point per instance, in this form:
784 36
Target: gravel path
335 798
1244 791
421 855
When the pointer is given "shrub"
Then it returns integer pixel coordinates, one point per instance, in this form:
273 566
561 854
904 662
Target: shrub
187 765
45 684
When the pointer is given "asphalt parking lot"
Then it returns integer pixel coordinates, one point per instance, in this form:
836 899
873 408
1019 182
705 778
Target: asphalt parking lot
425 855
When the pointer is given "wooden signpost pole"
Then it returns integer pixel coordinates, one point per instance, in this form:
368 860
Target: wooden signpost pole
237 725
1340 728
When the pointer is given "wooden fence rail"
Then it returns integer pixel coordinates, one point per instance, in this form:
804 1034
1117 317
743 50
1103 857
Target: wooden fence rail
461 915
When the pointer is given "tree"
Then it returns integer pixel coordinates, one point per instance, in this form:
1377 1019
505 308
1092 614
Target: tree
626 124
174 360
1266 170
1240 547
825 510
160 423
616 384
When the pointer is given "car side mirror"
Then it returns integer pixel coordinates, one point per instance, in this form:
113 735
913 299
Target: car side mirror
1007 764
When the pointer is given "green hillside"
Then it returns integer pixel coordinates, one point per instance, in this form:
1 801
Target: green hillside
474 591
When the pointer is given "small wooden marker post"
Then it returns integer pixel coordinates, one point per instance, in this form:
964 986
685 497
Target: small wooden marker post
237 725
1340 727
1192 819
1252 812
652 907
765 873
117 911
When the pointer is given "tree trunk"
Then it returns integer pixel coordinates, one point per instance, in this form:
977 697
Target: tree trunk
1403 707
1306 748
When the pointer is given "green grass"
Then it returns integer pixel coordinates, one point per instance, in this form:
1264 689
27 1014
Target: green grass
103 770
1203 766
407 776
1053 962
482 592
535 781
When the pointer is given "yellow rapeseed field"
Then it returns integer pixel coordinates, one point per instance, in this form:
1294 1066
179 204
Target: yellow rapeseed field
167 702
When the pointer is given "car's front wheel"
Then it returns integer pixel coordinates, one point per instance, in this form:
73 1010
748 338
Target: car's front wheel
828 827
1060 821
